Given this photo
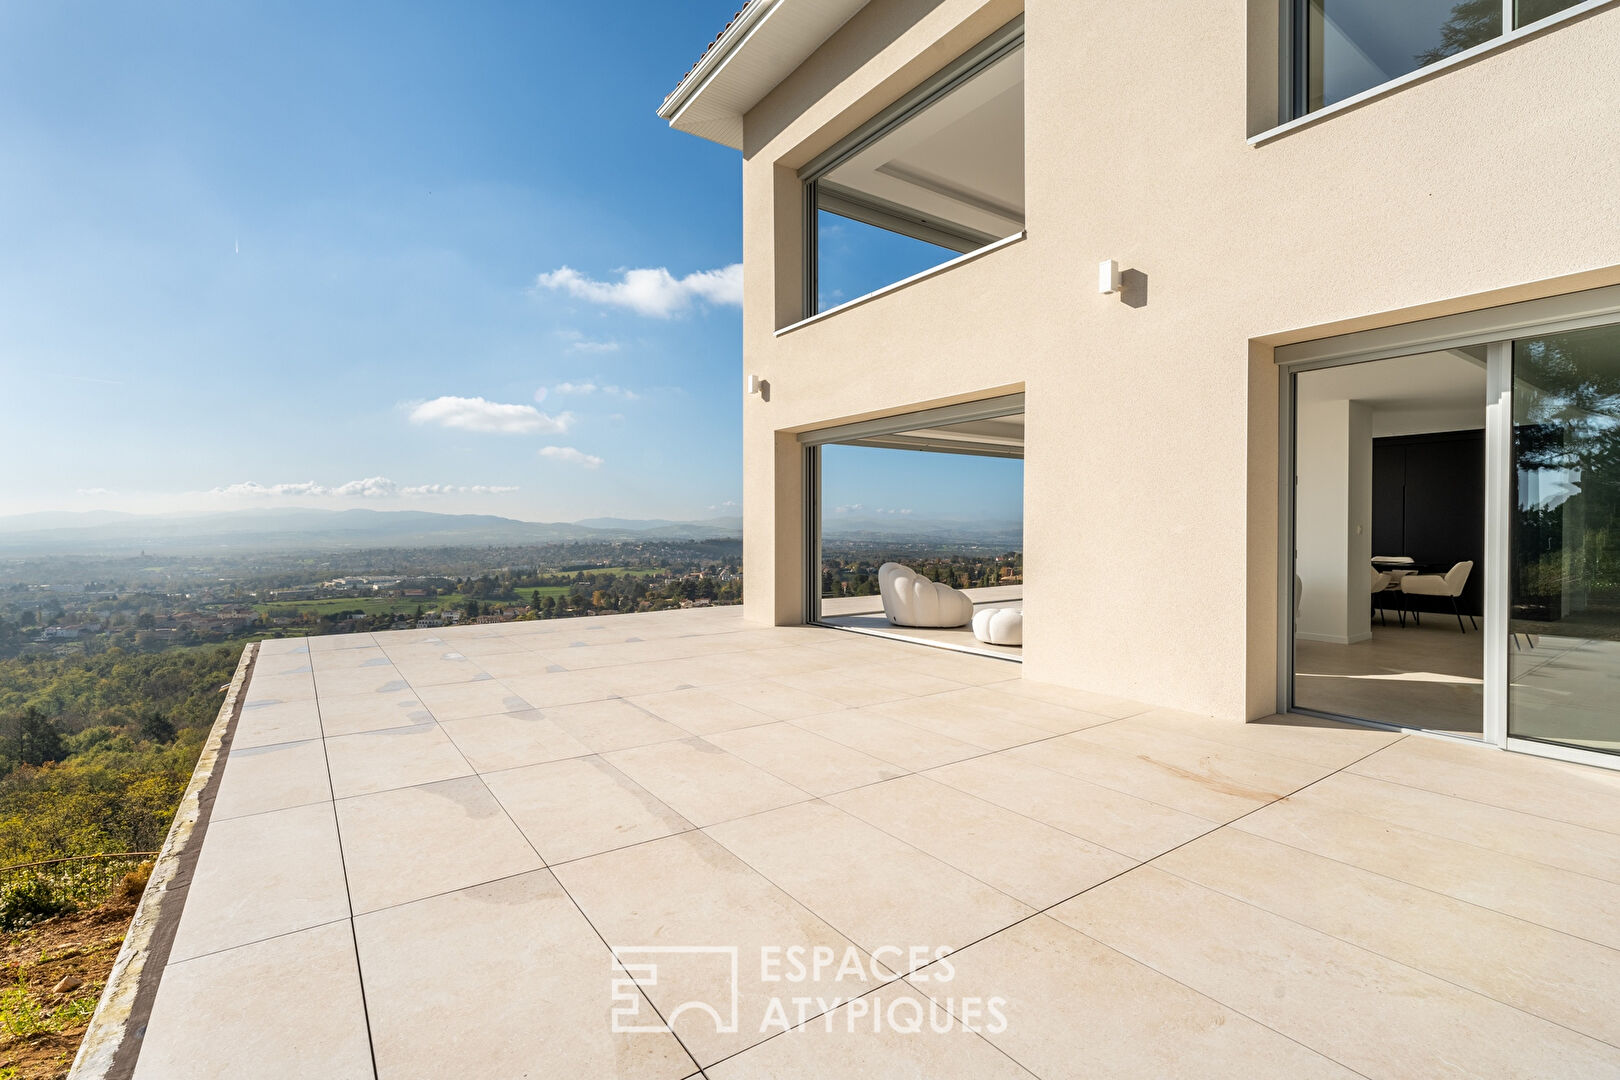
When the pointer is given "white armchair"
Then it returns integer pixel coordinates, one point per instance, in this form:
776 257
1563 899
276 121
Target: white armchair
910 599
1380 582
1449 585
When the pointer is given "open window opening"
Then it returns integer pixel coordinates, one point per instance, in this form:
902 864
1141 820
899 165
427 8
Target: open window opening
917 528
939 175
1389 540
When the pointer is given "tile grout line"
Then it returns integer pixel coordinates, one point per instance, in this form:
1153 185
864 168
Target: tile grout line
583 915
348 895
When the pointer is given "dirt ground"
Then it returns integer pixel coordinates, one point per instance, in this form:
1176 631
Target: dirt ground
40 1028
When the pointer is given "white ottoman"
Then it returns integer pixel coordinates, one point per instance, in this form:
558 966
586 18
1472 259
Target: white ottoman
999 626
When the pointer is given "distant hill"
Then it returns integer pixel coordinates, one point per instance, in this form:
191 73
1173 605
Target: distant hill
297 529
284 529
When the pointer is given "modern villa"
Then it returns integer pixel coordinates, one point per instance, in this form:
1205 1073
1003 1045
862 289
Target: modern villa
1261 296
1293 754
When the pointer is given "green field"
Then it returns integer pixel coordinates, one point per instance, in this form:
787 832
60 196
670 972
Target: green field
371 605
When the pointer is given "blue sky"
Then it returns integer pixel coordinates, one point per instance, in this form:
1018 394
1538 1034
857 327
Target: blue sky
314 254
402 255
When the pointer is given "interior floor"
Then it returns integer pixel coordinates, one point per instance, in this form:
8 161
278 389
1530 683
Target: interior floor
1429 676
1559 672
865 614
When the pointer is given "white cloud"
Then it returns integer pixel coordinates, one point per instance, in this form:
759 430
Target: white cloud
727 505
589 387
578 342
650 291
477 414
570 455
848 509
95 491
372 487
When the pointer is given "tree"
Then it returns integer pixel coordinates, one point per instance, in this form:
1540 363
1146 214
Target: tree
32 738
155 727
145 621
534 600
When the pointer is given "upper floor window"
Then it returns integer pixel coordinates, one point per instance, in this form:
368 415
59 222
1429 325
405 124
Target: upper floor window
1343 47
936 176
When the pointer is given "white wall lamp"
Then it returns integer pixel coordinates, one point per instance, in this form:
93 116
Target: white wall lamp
1108 277
756 385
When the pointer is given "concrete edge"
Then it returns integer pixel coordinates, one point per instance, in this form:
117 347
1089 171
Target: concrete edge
112 1041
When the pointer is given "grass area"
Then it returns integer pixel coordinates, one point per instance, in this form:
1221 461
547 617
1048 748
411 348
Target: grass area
52 974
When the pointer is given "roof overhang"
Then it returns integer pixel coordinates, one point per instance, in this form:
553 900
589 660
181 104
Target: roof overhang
765 43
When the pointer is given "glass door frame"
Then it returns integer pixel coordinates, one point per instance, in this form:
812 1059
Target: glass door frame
1496 329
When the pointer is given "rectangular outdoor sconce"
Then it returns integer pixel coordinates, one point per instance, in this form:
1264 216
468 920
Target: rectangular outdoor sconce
1108 276
755 384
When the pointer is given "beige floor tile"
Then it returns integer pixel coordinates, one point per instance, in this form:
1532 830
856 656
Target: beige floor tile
877 890
501 980
1023 858
614 724
348 714
1527 836
340 642
962 667
701 711
1113 819
1574 903
1578 794
847 1045
403 845
838 685
444 671
986 731
260 876
276 664
260 778
994 703
298 687
284 647
1551 975
363 680
1075 1009
1249 773
459 700
804 759
508 740
305 1016
1373 1015
553 688
581 806
910 747
347 659
1098 704
776 699
266 725
687 892
520 663
653 677
702 782
1304 738
896 674
1201 788
393 758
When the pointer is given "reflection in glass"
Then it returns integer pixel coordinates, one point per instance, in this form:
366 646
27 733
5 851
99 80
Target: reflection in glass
944 181
1353 45
1565 656
1526 12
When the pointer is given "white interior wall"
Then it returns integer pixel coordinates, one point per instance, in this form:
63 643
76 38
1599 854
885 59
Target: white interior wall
1333 531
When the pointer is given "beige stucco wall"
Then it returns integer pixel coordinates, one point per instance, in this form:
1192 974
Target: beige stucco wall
1151 471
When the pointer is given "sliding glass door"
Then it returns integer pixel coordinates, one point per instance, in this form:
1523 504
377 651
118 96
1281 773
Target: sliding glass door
1467 472
1565 540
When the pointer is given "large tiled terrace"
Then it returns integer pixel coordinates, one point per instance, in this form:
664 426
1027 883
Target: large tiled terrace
426 846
